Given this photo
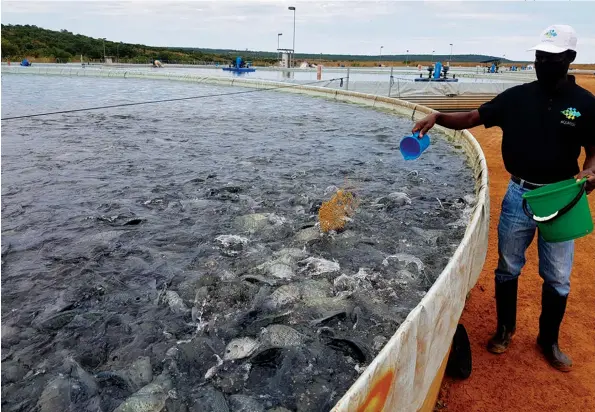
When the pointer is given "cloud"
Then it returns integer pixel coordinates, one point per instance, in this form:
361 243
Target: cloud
505 39
26 7
489 16
340 27
585 41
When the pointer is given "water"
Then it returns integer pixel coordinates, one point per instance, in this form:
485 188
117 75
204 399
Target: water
138 242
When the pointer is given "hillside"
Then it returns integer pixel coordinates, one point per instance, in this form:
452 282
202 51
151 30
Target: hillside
35 42
62 46
469 58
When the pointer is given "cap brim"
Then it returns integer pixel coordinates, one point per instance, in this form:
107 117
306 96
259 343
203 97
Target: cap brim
548 48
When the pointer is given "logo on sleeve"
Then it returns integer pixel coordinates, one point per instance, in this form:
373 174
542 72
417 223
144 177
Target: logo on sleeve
571 114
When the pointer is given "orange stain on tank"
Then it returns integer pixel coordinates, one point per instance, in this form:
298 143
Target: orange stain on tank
379 393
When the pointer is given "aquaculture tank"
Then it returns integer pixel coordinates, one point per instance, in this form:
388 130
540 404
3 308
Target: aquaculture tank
262 251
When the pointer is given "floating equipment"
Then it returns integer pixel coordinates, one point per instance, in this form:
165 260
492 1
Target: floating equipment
240 66
437 70
561 210
437 74
25 63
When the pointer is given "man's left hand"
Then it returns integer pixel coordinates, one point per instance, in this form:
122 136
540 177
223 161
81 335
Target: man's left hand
590 175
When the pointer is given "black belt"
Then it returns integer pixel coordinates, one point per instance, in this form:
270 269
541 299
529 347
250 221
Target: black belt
525 184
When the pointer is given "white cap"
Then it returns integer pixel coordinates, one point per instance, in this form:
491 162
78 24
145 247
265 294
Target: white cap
557 39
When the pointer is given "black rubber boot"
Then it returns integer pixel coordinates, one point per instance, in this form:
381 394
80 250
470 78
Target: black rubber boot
506 294
553 307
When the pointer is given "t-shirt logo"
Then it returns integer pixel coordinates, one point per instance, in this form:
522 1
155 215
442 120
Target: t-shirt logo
571 113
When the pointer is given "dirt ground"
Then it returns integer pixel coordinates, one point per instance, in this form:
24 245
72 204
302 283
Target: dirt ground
520 379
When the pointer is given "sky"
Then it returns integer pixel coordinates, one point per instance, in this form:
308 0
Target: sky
499 28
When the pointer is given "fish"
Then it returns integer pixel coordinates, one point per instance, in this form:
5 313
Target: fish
139 374
242 403
318 266
270 357
257 221
240 348
149 398
349 348
55 321
405 261
55 396
209 399
76 386
175 302
328 317
393 200
281 336
231 245
283 296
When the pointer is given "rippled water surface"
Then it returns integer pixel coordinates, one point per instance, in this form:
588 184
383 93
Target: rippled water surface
167 256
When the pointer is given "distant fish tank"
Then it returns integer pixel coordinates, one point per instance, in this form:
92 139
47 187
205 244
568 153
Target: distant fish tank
240 66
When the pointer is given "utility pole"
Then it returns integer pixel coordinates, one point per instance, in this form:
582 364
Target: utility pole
293 47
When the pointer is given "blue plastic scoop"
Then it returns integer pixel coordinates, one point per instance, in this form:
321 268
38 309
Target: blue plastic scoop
412 146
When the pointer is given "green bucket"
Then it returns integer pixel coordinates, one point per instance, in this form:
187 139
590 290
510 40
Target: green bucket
561 210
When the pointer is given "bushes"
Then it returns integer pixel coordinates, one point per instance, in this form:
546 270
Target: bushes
20 41
9 49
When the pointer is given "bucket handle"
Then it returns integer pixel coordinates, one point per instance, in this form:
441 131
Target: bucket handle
561 212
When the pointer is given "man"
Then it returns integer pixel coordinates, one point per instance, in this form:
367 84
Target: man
545 123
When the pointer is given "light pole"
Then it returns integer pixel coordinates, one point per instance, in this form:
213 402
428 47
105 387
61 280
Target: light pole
278 37
380 57
293 47
118 52
103 38
407 58
433 51
450 58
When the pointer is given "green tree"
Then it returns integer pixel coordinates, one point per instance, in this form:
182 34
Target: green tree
9 49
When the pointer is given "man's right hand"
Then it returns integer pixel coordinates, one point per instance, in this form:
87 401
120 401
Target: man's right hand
425 124
590 175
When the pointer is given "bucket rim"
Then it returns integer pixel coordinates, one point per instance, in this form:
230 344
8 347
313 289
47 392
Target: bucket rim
532 195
